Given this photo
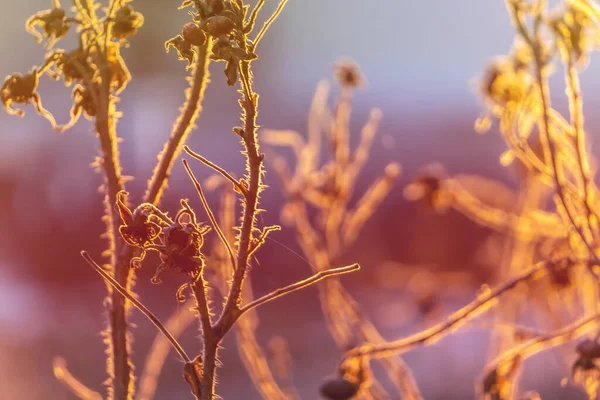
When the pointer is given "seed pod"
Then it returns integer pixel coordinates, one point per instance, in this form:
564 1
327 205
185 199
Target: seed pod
216 6
193 34
589 348
339 389
219 25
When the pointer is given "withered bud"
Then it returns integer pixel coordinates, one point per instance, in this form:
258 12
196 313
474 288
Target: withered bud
216 6
339 389
219 25
348 74
193 34
126 22
589 348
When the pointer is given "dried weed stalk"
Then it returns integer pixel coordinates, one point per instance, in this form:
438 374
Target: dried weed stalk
327 214
551 154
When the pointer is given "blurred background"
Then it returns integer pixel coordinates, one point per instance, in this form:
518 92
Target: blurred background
420 60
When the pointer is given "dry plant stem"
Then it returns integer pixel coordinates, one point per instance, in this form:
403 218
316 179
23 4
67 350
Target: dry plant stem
215 167
547 141
119 366
254 167
160 348
105 126
256 363
268 23
457 319
543 342
211 215
63 375
183 126
299 285
123 292
337 303
576 110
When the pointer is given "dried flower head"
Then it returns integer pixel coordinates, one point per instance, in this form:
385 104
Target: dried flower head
506 81
22 89
54 24
585 369
348 74
72 65
178 241
126 22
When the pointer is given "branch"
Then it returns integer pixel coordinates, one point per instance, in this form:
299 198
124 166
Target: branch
137 304
543 342
211 215
159 350
267 24
263 237
457 319
299 285
62 374
241 189
183 126
249 27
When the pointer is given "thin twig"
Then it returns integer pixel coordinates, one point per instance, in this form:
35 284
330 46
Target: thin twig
460 317
268 23
63 375
215 167
117 286
249 27
299 285
576 111
159 350
211 215
183 126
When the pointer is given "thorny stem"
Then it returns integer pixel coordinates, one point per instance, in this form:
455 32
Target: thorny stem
121 370
123 274
182 127
200 293
460 317
254 168
138 304
268 23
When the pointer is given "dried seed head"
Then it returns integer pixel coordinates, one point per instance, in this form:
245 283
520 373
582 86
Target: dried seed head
193 34
588 348
54 24
216 6
339 389
183 47
219 25
348 74
505 82
126 22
